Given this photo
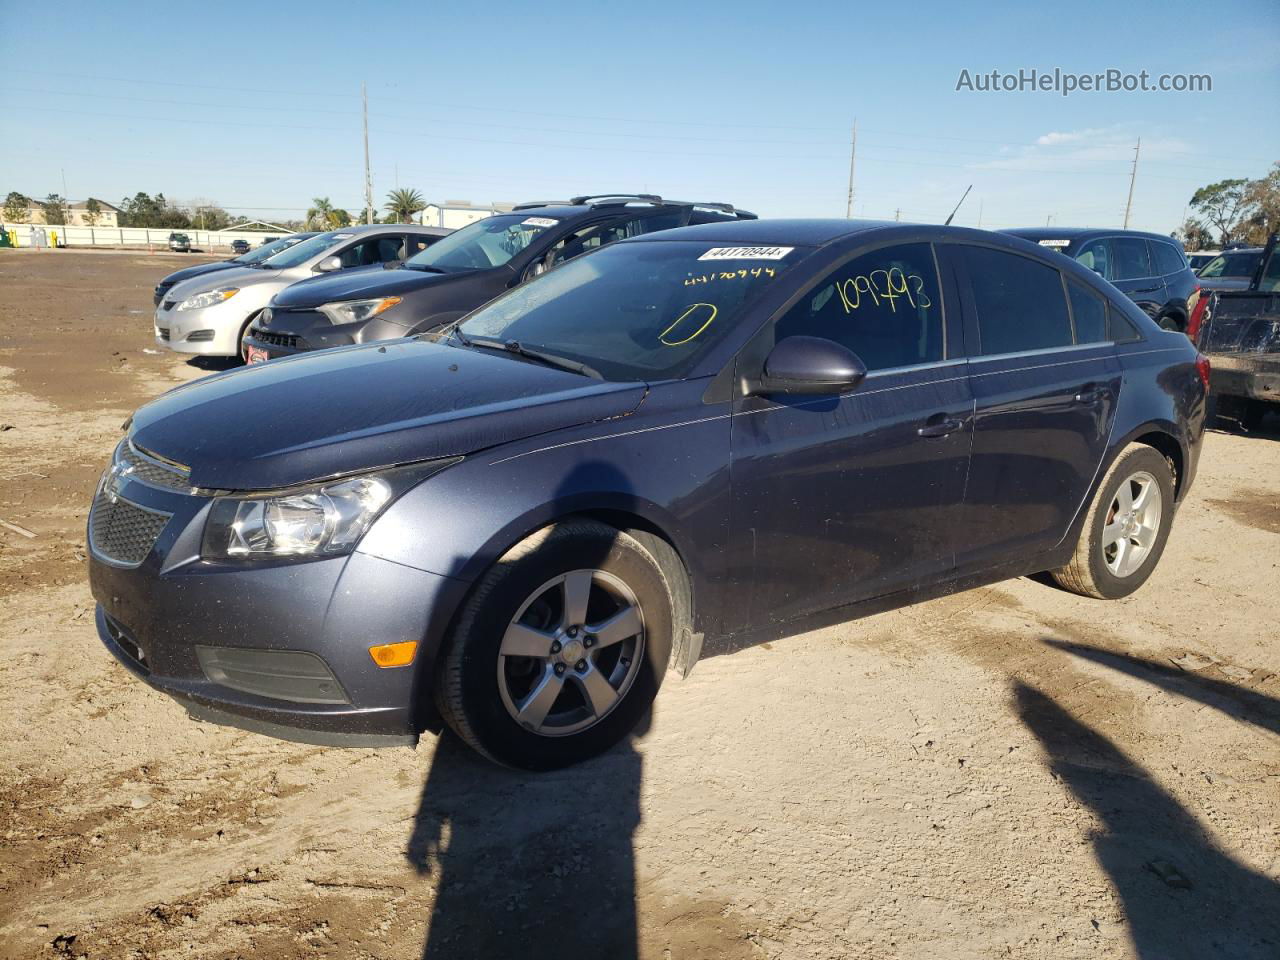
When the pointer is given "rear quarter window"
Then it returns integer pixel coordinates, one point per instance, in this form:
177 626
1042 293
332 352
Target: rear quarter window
1168 258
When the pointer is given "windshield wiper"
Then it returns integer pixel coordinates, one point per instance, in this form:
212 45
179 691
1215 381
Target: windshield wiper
547 359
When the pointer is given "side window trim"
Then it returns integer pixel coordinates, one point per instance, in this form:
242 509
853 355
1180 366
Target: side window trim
969 302
1151 265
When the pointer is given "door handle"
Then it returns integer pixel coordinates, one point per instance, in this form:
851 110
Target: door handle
1089 395
942 428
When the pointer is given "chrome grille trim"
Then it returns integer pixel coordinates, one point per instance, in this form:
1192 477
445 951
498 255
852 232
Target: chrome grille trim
153 471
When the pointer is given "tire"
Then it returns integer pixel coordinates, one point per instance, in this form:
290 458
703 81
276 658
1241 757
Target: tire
1109 571
1171 322
489 693
240 351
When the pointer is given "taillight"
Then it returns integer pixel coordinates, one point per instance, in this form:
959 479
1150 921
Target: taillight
1197 314
1202 368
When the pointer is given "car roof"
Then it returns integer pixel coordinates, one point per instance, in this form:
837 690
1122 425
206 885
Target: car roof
1080 233
391 228
622 203
775 232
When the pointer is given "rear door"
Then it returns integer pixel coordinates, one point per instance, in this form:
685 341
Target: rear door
1136 275
839 498
1045 400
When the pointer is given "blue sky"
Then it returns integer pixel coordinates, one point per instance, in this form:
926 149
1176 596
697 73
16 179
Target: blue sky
256 106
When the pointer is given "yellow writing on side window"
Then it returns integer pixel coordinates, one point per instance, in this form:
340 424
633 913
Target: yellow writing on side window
894 284
697 316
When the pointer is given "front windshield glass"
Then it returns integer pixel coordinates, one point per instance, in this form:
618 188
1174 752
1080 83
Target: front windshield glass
300 253
487 243
269 249
635 311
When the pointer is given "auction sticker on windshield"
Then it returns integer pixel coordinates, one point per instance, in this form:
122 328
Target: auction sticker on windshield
1055 243
746 253
539 222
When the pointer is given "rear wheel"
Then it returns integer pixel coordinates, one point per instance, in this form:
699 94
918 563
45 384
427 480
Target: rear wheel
560 649
1126 528
1172 322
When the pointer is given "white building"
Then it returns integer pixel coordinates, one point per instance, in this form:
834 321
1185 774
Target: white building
459 213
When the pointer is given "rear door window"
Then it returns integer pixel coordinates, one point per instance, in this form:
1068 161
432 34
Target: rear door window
885 306
1020 302
1168 258
1132 260
375 250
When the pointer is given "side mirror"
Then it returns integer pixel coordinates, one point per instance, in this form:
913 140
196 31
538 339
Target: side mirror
329 264
810 365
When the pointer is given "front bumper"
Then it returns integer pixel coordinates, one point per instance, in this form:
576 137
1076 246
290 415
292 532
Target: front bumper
162 618
288 332
211 332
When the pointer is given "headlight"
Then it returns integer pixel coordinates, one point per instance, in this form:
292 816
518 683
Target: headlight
354 311
201 300
321 520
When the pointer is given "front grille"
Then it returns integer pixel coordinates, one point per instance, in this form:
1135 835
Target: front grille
275 339
199 336
123 532
152 472
164 332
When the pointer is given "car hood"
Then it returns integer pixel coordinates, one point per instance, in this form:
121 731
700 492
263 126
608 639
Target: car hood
359 408
238 276
359 284
178 276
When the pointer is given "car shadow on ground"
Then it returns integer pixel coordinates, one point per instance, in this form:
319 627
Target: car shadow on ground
529 865
1183 895
1267 429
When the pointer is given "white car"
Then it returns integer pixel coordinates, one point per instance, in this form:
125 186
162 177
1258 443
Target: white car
208 315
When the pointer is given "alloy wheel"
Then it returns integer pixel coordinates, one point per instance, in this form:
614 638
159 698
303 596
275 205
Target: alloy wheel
1132 525
571 652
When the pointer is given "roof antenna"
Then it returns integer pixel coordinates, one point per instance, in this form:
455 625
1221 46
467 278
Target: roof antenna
953 212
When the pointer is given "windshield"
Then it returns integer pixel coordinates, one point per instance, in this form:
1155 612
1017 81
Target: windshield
300 253
270 249
634 311
1233 265
487 243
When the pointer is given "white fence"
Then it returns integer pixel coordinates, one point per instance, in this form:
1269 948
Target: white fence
142 238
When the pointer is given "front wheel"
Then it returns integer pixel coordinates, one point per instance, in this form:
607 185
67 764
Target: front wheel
1126 528
560 649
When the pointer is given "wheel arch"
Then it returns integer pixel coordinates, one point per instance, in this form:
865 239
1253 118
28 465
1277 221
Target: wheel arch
1163 438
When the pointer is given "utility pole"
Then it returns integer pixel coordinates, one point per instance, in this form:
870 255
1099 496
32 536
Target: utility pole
1132 177
897 215
368 176
979 214
853 156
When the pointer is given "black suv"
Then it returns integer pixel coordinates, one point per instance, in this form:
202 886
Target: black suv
463 271
1149 268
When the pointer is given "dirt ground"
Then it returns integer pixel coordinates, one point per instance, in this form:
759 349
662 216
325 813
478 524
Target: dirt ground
1009 772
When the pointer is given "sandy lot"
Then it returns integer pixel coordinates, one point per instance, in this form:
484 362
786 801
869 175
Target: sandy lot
1009 772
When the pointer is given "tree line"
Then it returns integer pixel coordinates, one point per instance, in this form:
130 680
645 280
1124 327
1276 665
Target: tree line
158 212
1233 211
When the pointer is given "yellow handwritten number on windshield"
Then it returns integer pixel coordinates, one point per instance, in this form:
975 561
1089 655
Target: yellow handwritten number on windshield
693 308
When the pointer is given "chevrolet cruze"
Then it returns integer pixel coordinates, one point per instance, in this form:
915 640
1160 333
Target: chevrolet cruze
674 446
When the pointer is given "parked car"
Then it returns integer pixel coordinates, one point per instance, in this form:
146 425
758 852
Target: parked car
1150 268
678 444
209 315
1241 334
245 260
179 243
240 245
1231 269
266 240
455 276
1198 259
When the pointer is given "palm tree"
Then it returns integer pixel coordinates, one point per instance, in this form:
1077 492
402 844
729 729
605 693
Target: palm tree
403 203
320 215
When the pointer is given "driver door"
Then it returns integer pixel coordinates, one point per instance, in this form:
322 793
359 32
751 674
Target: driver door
842 498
